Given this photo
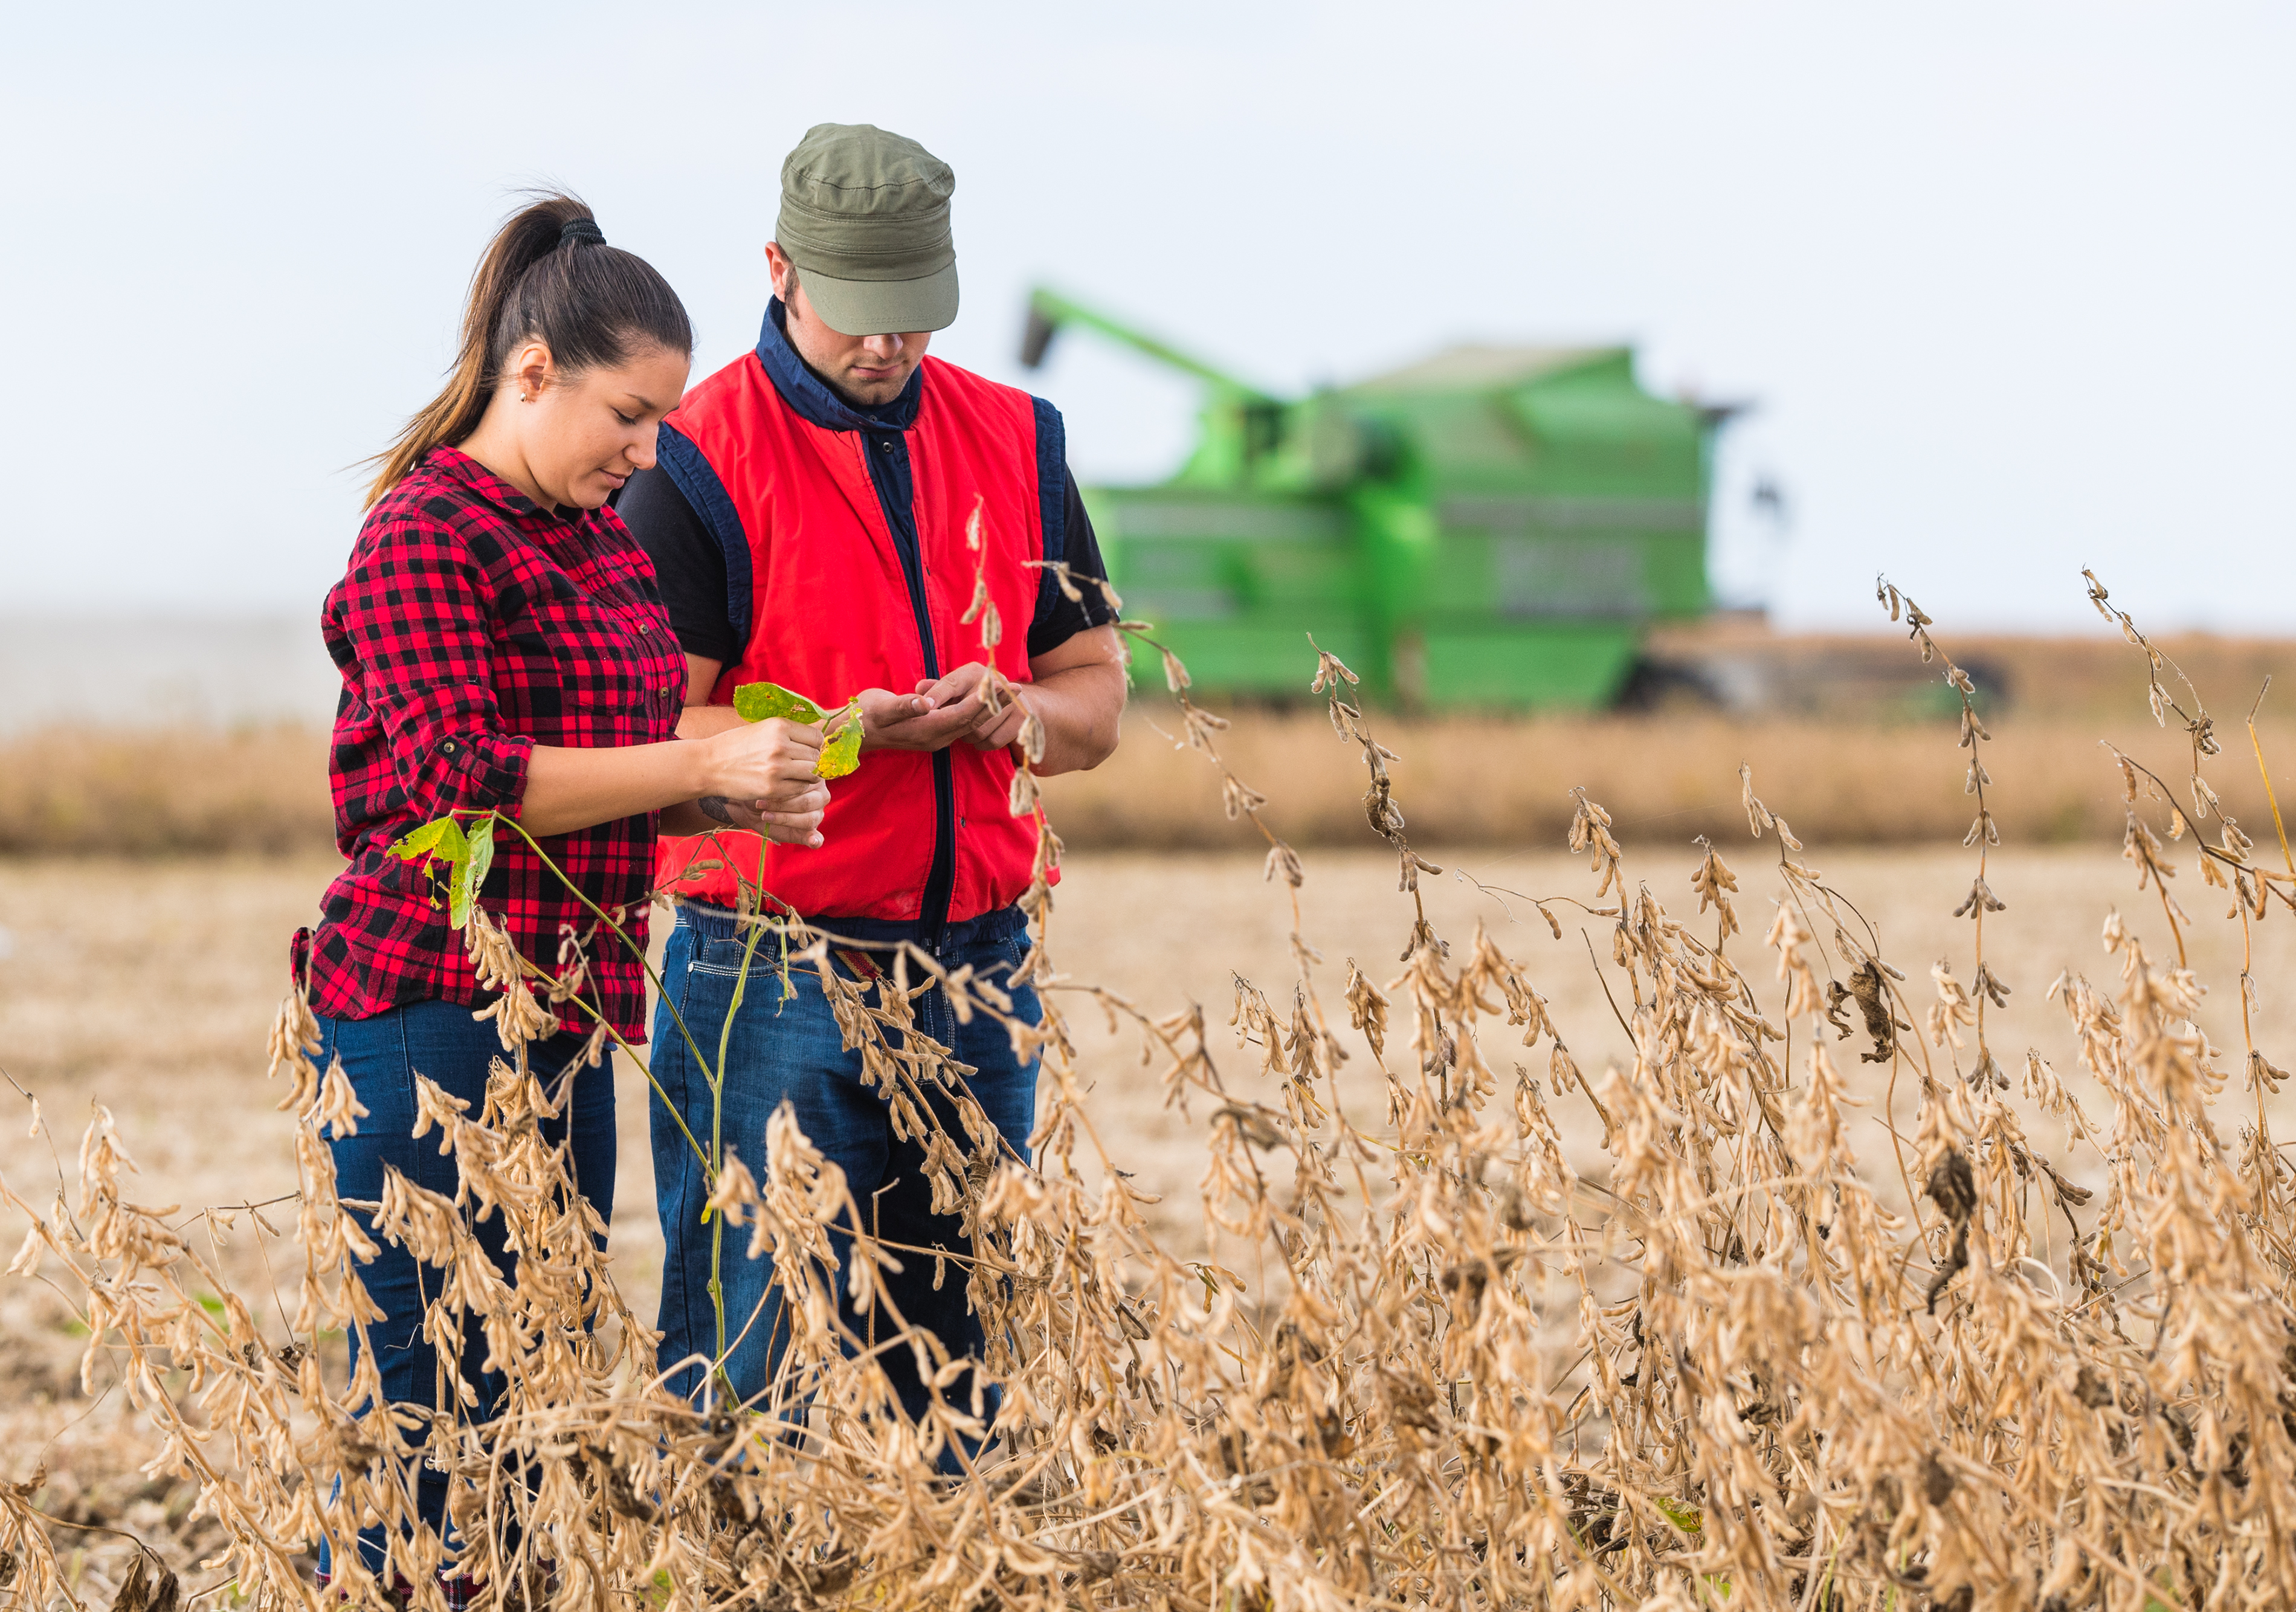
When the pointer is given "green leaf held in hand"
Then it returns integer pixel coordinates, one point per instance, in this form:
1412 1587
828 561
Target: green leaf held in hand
841 751
762 701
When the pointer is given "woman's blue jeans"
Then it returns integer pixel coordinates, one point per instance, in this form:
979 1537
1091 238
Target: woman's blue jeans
382 1056
790 1049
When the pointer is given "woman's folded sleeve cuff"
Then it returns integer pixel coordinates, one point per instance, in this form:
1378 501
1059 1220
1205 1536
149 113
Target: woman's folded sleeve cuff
489 770
448 755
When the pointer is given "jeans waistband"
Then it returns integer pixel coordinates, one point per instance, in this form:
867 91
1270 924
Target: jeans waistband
871 934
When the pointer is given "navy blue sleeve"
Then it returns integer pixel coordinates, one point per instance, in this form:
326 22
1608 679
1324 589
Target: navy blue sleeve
1059 618
689 563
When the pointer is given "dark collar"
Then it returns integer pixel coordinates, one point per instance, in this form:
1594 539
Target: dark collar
809 395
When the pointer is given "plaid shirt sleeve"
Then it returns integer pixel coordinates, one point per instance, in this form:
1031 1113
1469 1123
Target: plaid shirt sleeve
414 609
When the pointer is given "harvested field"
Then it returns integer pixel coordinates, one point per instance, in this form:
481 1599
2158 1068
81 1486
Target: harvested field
1464 782
1468 782
1852 741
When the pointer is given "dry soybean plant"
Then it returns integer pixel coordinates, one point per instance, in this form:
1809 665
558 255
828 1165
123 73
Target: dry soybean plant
1740 1369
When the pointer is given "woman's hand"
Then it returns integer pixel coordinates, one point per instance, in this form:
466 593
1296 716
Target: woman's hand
764 770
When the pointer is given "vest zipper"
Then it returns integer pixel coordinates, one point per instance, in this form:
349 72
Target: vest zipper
889 472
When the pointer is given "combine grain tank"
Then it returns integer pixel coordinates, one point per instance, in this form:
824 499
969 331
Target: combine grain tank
1492 526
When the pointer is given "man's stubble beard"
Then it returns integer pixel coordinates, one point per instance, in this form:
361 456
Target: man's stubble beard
862 400
845 393
854 399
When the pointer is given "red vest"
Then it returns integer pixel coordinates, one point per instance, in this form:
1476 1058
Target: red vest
816 574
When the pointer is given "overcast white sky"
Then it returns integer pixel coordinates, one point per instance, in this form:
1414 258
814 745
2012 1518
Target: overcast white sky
2011 282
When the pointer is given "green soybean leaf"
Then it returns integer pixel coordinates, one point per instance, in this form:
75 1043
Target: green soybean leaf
842 751
470 870
440 839
759 701
1683 1516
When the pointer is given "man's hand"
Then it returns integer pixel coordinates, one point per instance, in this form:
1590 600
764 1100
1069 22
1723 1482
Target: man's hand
941 712
1076 691
962 695
914 721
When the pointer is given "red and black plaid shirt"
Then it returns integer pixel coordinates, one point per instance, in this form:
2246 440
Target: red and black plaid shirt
473 625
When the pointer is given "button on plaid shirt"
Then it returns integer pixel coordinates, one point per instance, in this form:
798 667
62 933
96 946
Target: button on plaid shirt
473 625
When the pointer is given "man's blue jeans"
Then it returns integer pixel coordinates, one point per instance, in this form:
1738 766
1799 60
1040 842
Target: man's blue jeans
791 1051
382 1055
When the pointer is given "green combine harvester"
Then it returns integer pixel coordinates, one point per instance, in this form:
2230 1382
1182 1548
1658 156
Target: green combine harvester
1491 528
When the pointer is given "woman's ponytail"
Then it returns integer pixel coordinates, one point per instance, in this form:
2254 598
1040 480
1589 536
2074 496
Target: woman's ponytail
548 275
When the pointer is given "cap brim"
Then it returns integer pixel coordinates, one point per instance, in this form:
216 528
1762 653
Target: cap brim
879 308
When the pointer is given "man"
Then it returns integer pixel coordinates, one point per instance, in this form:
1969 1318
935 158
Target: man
809 521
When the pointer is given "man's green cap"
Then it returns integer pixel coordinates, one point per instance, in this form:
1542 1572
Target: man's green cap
864 217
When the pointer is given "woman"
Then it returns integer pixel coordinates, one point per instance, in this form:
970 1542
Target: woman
503 649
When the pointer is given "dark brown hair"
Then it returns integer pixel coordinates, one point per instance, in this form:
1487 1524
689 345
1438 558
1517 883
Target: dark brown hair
592 304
